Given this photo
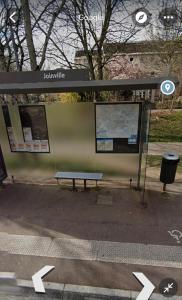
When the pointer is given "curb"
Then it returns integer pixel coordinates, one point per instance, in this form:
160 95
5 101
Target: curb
89 290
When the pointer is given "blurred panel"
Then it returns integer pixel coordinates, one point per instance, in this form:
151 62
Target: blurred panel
71 129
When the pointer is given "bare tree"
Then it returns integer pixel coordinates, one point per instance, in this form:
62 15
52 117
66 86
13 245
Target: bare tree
7 52
92 24
29 33
52 31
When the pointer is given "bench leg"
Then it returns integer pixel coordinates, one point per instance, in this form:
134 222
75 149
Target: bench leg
74 186
58 181
85 184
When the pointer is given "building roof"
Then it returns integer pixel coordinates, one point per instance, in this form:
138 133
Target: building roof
130 47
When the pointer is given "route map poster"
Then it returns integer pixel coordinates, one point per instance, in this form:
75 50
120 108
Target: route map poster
118 127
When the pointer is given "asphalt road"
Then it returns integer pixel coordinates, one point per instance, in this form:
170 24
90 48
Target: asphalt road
89 273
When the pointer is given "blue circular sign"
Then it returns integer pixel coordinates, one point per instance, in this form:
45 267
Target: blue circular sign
167 87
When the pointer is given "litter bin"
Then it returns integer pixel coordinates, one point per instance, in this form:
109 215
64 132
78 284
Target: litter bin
168 168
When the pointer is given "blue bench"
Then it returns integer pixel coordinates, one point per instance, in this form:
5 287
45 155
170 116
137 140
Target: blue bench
80 176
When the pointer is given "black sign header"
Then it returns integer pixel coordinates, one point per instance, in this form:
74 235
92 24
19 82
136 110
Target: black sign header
44 76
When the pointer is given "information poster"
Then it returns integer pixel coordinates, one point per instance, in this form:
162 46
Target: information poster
118 127
34 128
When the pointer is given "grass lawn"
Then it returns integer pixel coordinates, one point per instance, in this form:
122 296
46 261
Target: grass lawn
155 161
166 127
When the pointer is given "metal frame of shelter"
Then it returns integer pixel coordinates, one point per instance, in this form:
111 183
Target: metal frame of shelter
17 83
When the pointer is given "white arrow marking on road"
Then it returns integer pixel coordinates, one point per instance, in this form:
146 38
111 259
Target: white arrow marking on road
37 278
148 287
11 17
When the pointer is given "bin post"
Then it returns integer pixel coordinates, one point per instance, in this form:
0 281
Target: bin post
164 187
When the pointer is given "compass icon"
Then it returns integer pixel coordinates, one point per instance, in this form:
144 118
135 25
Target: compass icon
141 17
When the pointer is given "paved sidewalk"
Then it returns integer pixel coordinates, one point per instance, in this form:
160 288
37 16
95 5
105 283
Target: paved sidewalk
129 253
54 212
161 148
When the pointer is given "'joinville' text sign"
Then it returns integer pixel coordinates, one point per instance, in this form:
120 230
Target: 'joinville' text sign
44 76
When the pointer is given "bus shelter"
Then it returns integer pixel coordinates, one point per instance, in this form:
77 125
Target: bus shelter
105 136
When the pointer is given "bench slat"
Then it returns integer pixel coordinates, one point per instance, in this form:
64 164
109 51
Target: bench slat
78 175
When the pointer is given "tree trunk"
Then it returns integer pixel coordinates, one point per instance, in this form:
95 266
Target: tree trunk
28 33
2 59
99 66
15 49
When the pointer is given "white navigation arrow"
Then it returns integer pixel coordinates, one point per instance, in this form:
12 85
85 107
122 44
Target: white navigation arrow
37 278
148 287
11 17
